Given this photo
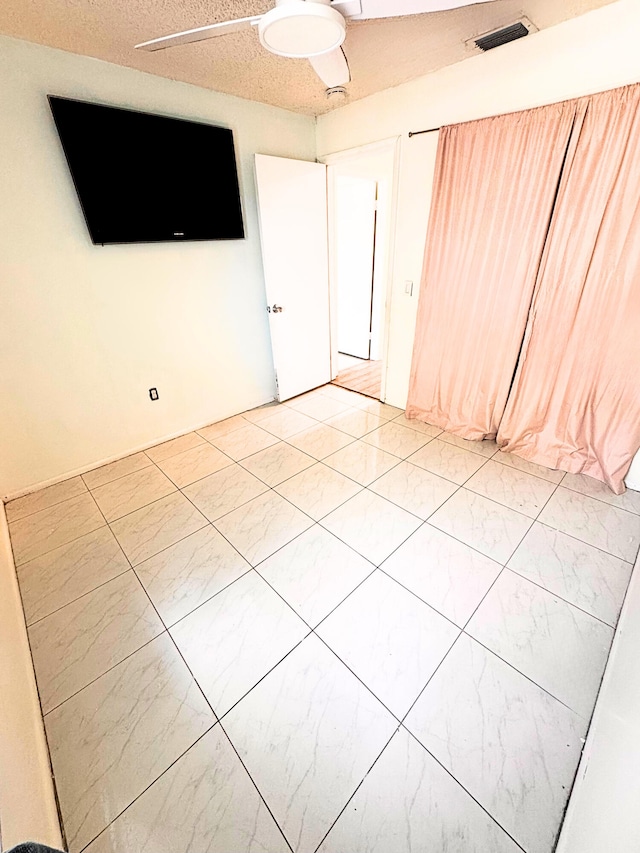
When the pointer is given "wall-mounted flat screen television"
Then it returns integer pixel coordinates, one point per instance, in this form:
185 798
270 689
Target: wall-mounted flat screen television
144 178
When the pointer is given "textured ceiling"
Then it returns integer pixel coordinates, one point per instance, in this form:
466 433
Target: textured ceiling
381 53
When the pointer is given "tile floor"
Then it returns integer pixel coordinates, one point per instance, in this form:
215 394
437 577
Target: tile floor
320 626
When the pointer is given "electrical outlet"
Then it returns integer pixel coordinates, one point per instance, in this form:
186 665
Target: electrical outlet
153 393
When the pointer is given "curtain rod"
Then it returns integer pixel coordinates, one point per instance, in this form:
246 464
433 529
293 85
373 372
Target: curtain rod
524 109
418 132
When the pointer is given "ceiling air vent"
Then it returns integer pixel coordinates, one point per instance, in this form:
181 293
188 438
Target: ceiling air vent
503 36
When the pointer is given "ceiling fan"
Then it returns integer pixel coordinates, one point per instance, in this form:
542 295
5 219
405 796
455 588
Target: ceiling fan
310 29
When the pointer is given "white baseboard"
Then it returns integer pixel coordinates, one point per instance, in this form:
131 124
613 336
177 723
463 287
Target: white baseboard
34 487
28 810
603 810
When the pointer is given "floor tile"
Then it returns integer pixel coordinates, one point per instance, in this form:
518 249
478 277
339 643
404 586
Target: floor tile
244 441
408 803
485 448
153 528
414 489
318 490
361 462
343 395
396 439
314 573
235 638
630 500
315 394
115 470
129 493
263 525
319 407
213 431
151 711
191 465
594 522
485 525
174 446
44 498
447 461
78 643
512 746
418 426
383 410
512 488
59 577
286 422
323 729
390 639
448 575
224 491
187 574
284 651
320 441
205 801
277 463
581 574
356 423
561 648
371 525
514 461
261 412
49 528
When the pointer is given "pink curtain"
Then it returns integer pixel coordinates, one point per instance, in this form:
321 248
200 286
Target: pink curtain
575 403
496 181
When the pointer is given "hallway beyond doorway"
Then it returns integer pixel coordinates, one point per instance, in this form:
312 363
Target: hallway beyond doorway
358 374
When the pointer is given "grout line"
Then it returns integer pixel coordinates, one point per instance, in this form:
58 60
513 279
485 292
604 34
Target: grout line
528 677
98 677
599 500
200 444
313 627
83 595
120 476
582 542
170 626
150 785
249 690
500 455
557 595
198 479
49 506
357 788
446 769
266 804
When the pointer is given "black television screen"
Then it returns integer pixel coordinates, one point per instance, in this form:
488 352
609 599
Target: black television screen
145 178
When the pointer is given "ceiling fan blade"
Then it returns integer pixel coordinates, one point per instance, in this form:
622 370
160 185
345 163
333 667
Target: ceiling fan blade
332 68
199 34
349 8
398 8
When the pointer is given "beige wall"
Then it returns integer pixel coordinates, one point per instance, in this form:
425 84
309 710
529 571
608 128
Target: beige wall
27 803
594 52
86 330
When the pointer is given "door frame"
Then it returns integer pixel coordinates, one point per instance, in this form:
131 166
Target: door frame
385 238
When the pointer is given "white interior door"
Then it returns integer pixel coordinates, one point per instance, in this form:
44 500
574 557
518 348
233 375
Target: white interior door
355 230
292 204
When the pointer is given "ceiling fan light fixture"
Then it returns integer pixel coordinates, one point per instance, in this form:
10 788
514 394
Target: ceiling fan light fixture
302 29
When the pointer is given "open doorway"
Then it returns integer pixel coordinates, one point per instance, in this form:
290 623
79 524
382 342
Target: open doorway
360 184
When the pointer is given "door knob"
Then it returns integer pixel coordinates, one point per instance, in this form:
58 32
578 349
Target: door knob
277 309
